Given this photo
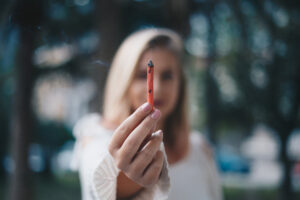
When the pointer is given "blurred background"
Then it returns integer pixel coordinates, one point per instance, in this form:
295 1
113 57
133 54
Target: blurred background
242 62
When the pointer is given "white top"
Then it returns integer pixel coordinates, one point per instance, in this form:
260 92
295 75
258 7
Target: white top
195 177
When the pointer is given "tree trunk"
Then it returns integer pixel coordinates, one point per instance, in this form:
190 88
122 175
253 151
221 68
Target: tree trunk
107 21
25 17
177 15
22 120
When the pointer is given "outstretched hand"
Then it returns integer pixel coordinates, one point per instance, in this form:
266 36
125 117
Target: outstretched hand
136 150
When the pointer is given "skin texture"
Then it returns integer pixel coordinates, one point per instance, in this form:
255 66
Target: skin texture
134 149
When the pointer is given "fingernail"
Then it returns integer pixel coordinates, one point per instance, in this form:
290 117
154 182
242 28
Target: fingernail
155 114
158 133
146 107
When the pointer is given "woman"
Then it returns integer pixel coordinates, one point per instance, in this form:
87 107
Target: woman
120 154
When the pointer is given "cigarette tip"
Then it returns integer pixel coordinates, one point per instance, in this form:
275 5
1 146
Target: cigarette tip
150 64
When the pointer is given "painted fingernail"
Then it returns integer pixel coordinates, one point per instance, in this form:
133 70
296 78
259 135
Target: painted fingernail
158 133
155 114
146 107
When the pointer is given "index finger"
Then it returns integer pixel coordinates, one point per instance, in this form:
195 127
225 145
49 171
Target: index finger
128 125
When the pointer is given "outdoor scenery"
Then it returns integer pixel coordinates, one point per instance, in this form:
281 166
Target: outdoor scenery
241 60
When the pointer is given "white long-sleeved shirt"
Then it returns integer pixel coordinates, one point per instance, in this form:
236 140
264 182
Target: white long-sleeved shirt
195 177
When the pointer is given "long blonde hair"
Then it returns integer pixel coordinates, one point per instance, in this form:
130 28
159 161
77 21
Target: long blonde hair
117 107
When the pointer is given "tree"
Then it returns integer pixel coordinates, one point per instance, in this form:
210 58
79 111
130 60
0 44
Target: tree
26 16
107 23
275 101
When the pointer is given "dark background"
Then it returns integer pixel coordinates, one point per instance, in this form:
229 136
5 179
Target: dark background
241 60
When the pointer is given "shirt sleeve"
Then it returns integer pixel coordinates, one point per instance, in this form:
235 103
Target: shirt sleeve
98 171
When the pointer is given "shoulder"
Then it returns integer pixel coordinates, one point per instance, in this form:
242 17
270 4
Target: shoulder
90 143
89 128
85 123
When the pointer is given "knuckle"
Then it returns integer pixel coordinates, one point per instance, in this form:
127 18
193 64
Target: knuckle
124 152
123 129
120 164
111 149
130 142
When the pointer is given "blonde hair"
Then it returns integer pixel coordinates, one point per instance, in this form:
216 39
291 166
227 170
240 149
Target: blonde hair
117 107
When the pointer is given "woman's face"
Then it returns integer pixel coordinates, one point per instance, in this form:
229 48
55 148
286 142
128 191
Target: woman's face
166 81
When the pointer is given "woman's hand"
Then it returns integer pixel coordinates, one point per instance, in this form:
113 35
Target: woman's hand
136 150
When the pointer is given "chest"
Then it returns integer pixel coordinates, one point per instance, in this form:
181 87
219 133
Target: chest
190 178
